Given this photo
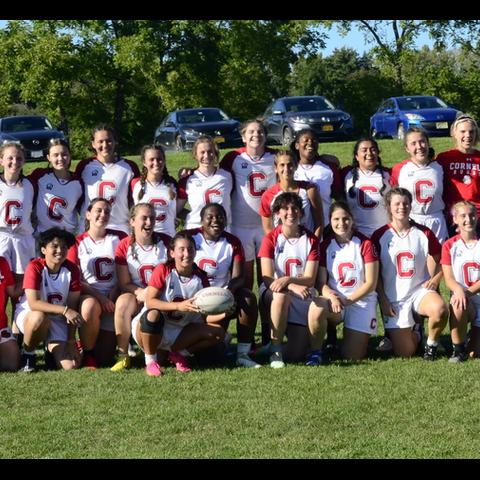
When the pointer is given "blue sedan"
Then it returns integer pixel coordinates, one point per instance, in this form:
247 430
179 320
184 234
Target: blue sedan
396 114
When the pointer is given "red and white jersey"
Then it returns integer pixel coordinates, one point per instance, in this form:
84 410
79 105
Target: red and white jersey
199 190
464 260
163 197
6 280
251 177
327 179
141 260
345 263
424 182
96 259
289 256
269 196
461 177
368 205
403 258
175 288
216 258
16 203
57 201
112 182
53 287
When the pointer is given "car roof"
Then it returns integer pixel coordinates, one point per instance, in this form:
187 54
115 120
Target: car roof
416 96
301 97
23 116
196 109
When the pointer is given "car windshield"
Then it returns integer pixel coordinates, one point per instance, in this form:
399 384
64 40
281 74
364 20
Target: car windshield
22 124
308 104
202 116
416 103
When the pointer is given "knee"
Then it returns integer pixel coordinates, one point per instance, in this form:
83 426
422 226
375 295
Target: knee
151 322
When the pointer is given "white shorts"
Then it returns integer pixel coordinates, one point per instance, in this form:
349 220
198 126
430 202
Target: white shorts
250 238
6 335
58 331
361 316
17 251
436 223
405 309
169 336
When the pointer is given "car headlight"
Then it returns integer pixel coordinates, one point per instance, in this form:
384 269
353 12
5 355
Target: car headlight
191 132
301 119
414 116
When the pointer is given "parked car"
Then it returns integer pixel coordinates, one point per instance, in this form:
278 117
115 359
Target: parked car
32 131
396 114
287 115
181 128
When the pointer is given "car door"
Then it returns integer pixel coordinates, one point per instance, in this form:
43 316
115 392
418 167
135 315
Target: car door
390 118
276 121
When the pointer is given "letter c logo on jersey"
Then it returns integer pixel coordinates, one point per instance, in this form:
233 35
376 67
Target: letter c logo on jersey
10 217
103 268
55 215
405 264
421 189
107 190
343 269
158 205
471 273
255 180
364 200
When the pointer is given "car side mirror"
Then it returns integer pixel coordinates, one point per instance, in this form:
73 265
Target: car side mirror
389 110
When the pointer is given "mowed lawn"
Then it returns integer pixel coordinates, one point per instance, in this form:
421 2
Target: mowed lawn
379 408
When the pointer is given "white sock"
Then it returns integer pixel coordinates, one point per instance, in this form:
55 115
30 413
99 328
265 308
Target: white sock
243 349
150 358
432 343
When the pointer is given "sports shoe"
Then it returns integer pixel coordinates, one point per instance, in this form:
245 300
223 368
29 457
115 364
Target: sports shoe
276 360
385 345
131 351
153 370
331 352
263 349
124 362
458 356
28 363
245 361
179 361
430 352
314 359
89 361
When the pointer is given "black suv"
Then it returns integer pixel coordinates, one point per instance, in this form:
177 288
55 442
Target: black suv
32 131
287 115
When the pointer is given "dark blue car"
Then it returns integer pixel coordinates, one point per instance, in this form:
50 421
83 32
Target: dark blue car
181 128
396 114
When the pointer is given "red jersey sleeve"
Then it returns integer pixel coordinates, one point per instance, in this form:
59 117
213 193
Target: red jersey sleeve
121 251
267 247
159 276
33 274
6 273
368 251
446 258
75 283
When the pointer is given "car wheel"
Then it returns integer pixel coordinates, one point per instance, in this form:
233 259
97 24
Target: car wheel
179 144
287 137
400 131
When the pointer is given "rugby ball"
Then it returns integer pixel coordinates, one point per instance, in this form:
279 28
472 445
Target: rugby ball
214 300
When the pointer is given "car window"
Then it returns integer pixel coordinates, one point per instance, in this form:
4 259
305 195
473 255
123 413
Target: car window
201 116
415 103
278 106
22 124
307 104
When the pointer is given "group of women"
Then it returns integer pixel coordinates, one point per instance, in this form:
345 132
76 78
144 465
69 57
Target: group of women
128 273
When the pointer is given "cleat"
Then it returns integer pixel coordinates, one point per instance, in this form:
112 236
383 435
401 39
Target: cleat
314 359
331 352
123 363
28 363
153 370
89 361
385 345
246 361
50 363
179 361
458 357
276 360
430 353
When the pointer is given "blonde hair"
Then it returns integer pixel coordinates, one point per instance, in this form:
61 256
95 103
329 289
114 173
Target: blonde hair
463 203
462 118
205 139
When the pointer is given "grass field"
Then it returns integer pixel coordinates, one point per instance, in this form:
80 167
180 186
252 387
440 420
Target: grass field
379 408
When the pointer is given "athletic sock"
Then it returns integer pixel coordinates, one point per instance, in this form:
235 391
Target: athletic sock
432 343
150 358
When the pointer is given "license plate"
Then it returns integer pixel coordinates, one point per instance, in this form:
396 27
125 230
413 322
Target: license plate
219 139
37 153
327 128
441 125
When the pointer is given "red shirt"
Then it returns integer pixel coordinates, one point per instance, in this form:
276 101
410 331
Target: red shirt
6 279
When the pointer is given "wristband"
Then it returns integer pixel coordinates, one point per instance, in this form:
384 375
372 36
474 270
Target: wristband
65 310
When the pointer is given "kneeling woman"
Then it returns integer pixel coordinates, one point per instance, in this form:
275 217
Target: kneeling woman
289 256
170 319
220 255
348 277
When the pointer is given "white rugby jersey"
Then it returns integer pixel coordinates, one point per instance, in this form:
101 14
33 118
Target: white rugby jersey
464 260
327 179
269 196
96 259
160 196
199 190
112 182
141 260
16 203
367 206
345 263
216 258
53 287
289 256
175 288
57 201
424 182
403 258
251 177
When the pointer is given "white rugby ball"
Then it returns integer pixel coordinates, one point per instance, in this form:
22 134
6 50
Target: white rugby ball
214 300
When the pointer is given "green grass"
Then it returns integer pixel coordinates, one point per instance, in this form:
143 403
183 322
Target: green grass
379 408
